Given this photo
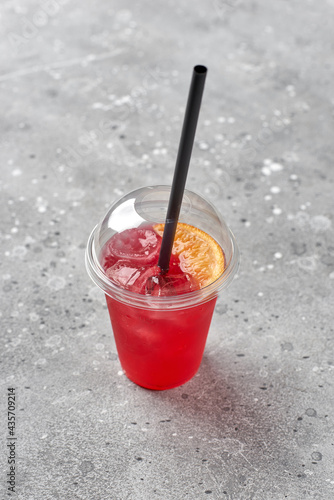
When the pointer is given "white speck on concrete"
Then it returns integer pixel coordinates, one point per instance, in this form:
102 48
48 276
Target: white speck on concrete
276 167
266 171
233 446
40 362
302 219
308 263
19 251
277 211
290 90
56 283
159 151
320 223
278 255
16 172
75 194
41 205
15 342
53 341
275 189
203 146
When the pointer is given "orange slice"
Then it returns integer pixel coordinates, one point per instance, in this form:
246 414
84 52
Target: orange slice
199 254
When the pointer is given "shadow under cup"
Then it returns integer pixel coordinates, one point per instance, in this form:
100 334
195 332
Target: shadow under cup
160 340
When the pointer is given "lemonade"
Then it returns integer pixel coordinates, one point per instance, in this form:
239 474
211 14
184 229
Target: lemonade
161 320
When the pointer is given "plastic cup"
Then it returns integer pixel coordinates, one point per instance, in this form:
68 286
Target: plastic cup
160 340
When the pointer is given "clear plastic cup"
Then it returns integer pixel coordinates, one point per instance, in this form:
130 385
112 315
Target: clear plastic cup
160 339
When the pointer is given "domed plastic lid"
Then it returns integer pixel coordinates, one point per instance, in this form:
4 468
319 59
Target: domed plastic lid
141 209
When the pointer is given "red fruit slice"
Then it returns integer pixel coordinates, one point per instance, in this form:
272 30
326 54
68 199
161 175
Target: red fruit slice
200 255
141 245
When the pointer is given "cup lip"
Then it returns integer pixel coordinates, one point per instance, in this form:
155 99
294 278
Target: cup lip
190 299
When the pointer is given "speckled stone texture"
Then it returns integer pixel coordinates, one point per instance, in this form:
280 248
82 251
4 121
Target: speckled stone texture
92 99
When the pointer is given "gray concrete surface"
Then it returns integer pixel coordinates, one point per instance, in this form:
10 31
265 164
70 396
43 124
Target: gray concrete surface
92 100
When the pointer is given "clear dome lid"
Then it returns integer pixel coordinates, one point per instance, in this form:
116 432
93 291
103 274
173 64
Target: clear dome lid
148 206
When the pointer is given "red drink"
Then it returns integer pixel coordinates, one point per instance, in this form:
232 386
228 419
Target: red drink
158 349
161 321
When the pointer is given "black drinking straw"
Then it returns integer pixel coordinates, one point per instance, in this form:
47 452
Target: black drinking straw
182 164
